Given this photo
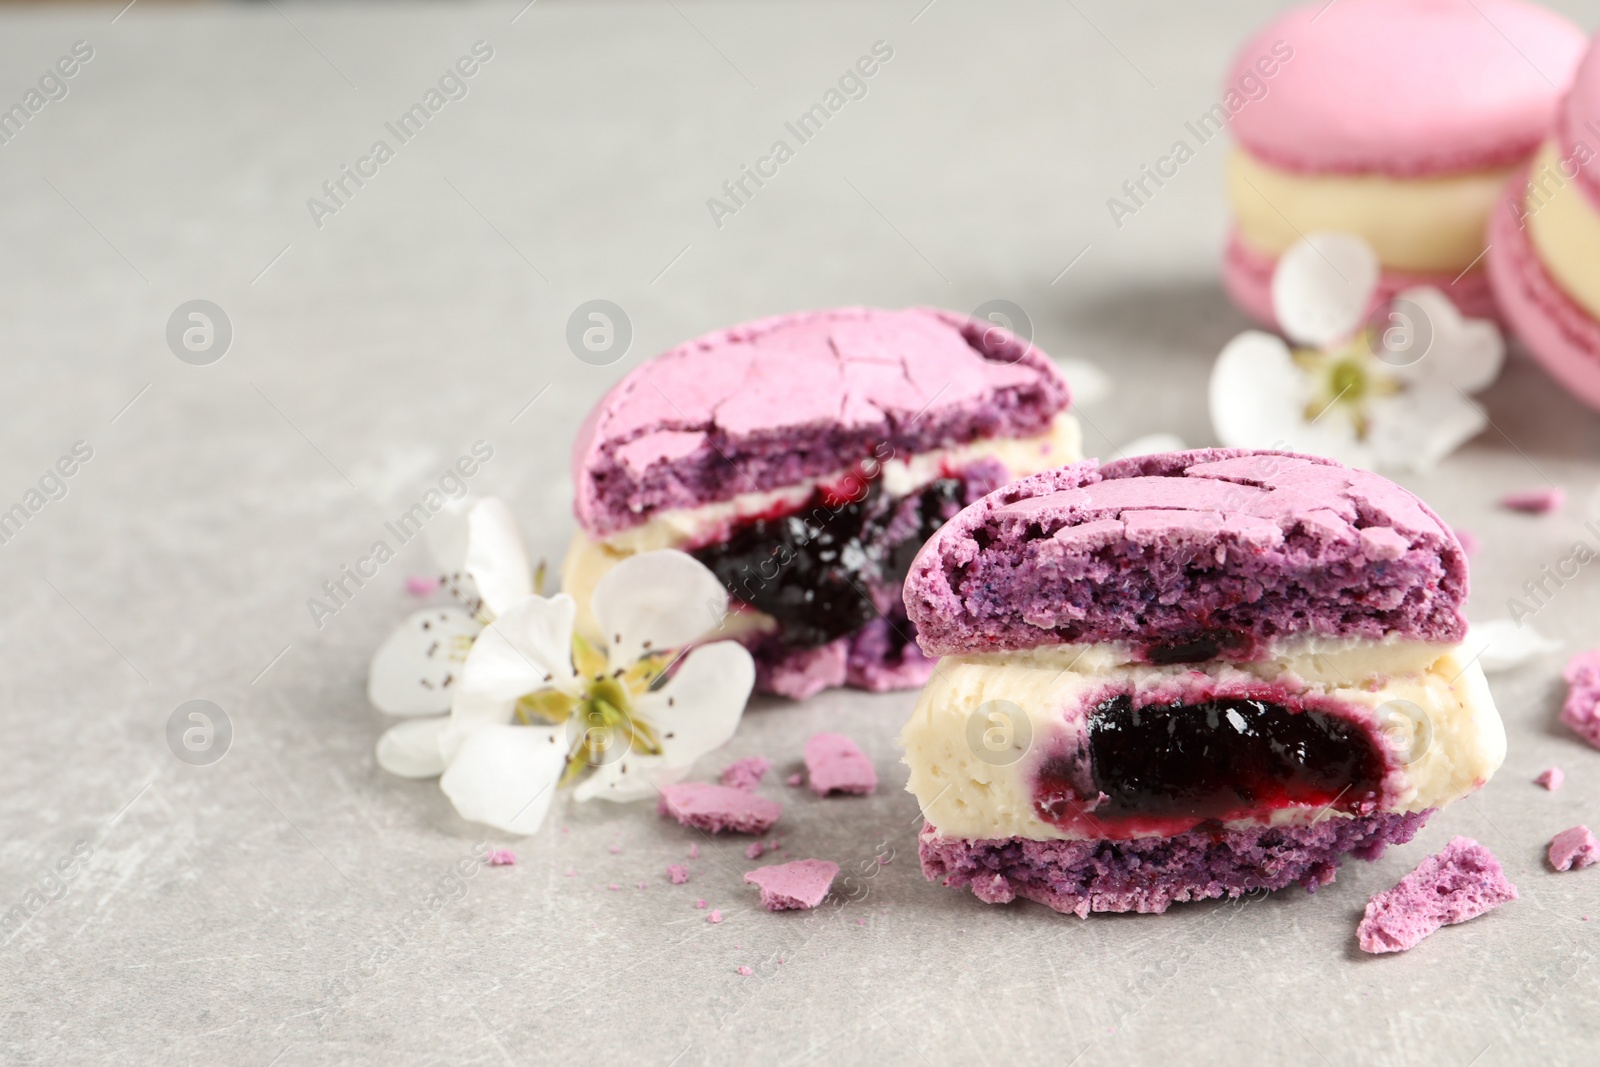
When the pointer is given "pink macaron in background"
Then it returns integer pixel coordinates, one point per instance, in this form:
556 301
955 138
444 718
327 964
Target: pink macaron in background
1399 121
1544 254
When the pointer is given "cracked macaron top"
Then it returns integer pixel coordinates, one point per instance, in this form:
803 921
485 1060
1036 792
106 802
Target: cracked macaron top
1189 556
770 403
1406 88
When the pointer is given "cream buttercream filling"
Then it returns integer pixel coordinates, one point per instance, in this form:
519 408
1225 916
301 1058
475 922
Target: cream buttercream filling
1420 225
973 773
588 559
1565 229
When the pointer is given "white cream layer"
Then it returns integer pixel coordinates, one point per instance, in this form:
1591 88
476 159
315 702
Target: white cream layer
1430 225
974 778
1565 229
587 560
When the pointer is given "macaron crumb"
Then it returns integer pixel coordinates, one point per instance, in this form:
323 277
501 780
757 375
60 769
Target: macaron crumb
714 917
501 857
677 873
747 972
1535 501
1462 881
1551 778
1574 849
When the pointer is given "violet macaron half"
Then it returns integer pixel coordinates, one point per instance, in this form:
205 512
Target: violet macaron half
804 459
1544 254
1398 121
1188 675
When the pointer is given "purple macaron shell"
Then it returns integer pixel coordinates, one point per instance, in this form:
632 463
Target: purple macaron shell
1189 555
1148 874
770 403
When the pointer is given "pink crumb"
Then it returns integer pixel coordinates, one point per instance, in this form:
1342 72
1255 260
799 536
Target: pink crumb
1535 501
700 904
1574 849
641 885
501 857
421 584
836 764
1469 542
800 884
614 887
754 849
747 972
571 873
715 808
746 773
678 873
861 922
1551 778
616 850
795 780
694 851
1461 882
1581 710
714 917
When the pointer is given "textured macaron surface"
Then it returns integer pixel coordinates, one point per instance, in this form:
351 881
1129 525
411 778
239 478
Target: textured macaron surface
1407 88
1187 556
770 403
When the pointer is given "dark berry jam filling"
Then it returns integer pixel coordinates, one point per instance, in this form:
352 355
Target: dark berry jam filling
1179 765
814 570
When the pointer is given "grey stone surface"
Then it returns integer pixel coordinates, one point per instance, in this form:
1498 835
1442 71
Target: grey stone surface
274 906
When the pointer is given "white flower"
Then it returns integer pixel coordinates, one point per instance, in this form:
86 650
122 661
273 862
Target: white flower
1501 645
415 670
535 704
1394 396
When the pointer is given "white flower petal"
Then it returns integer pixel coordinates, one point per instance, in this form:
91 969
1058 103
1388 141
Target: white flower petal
506 776
1454 351
417 668
470 713
1420 427
527 648
411 749
1502 644
497 560
1088 383
1322 286
697 711
655 601
1257 393
1152 443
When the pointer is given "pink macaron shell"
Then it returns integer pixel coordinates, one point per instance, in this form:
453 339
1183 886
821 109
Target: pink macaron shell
1407 88
1579 124
1247 276
1562 336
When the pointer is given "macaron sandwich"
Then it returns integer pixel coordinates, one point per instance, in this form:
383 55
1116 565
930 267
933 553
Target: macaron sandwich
1188 675
1399 121
1544 255
805 459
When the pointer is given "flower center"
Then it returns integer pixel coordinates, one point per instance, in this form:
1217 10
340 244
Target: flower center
1349 378
601 719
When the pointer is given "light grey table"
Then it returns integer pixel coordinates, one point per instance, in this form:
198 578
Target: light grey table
293 904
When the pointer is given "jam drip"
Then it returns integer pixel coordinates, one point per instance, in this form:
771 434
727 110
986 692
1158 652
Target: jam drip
1226 758
1164 769
814 570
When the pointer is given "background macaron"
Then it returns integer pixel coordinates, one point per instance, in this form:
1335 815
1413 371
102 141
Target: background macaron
1396 120
1544 254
